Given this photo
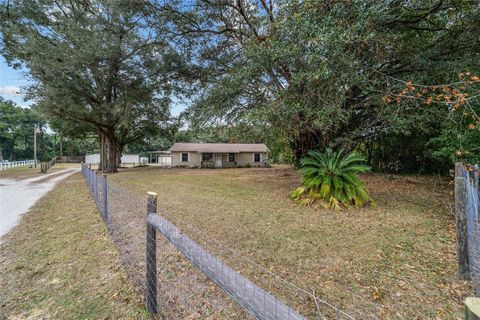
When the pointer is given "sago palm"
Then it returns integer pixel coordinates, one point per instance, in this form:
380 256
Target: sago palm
332 177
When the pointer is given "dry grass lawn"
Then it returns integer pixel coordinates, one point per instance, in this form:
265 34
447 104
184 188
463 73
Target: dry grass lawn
396 261
60 263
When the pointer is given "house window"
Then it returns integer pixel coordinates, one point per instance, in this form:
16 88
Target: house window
207 156
184 156
231 157
256 157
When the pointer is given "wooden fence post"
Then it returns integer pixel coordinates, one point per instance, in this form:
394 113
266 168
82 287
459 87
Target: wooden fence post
459 169
472 308
461 221
151 259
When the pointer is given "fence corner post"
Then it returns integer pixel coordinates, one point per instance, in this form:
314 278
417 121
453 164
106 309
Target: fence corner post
461 221
105 197
151 257
472 308
459 169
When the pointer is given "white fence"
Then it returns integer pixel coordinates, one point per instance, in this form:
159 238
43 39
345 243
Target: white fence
16 164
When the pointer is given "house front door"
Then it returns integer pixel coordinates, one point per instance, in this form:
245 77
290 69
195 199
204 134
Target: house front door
218 160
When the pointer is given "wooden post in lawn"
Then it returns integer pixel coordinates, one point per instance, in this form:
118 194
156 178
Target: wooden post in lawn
461 221
472 308
151 276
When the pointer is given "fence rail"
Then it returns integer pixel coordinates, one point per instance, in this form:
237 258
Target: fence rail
252 298
184 287
16 164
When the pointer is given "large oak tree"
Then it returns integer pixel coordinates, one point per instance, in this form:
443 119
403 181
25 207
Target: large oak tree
95 63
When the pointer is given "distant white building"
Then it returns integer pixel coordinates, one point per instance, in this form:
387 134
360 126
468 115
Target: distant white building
94 158
130 158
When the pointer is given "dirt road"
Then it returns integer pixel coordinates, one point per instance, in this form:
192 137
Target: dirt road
17 196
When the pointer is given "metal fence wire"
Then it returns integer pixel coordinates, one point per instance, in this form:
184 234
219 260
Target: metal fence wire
473 225
184 274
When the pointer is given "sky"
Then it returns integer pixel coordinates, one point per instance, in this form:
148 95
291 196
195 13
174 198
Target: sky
10 83
12 80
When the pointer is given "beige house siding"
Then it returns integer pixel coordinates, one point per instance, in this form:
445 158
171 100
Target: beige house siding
193 159
242 159
246 158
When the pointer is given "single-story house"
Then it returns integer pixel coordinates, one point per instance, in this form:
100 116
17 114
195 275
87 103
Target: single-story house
219 155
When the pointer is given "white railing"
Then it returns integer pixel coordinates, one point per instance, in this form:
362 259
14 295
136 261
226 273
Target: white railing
16 164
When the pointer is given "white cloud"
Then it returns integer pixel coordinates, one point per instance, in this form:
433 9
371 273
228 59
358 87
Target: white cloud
10 91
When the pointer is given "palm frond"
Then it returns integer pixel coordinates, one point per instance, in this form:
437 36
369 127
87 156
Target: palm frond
332 177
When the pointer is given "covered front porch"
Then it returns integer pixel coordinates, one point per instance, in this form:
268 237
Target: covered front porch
218 160
161 158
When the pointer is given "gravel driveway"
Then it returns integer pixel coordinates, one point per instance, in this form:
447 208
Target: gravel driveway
17 196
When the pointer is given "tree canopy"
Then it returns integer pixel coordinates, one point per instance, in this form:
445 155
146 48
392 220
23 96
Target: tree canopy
100 64
315 72
299 75
16 130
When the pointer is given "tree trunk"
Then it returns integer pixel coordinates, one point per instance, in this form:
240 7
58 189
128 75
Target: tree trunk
112 149
103 151
305 141
119 155
108 152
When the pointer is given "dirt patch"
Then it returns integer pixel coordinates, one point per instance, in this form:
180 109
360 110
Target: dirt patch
27 172
394 261
53 175
60 263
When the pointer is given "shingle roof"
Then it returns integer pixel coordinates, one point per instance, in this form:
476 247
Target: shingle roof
220 147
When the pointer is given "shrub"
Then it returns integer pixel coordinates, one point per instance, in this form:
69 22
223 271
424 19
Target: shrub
332 178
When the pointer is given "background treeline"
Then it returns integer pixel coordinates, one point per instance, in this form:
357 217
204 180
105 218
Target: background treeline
297 75
16 136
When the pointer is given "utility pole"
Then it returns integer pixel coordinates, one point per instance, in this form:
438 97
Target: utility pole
35 130
61 145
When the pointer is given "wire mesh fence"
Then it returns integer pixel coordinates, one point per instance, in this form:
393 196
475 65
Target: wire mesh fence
194 276
472 224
